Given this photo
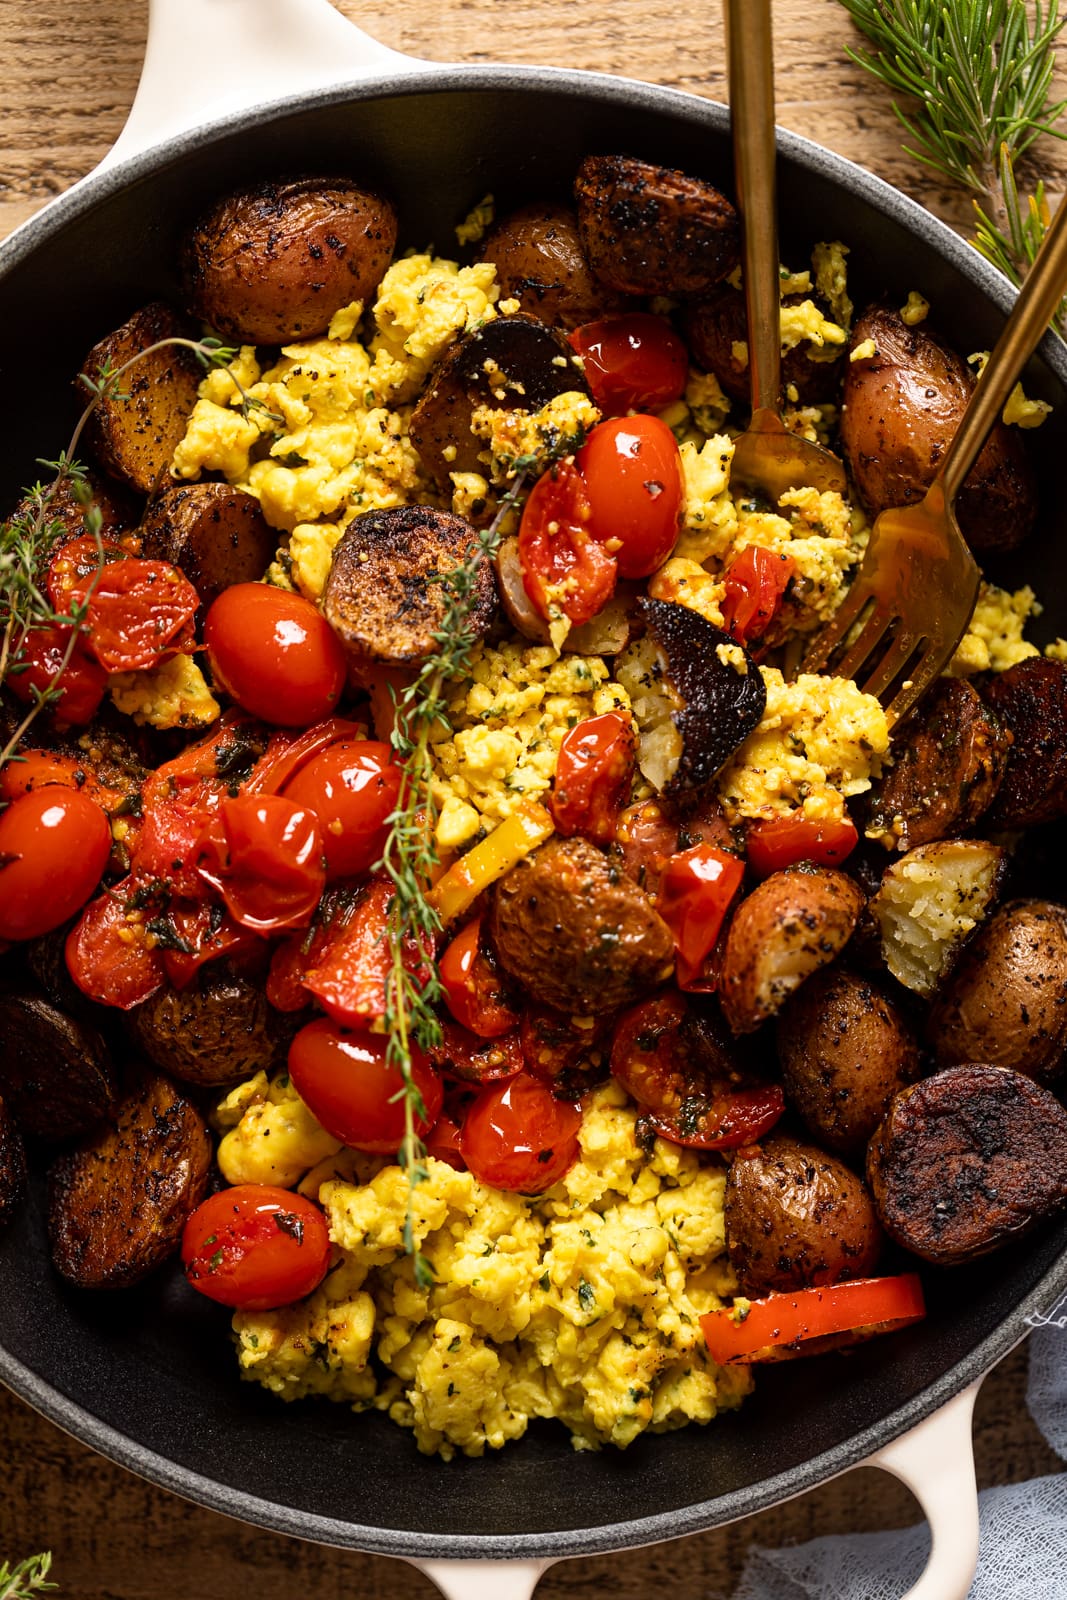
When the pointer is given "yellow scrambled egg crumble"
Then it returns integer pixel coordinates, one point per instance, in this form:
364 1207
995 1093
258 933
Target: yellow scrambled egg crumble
173 694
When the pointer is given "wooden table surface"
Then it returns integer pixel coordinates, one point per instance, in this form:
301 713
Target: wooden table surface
67 76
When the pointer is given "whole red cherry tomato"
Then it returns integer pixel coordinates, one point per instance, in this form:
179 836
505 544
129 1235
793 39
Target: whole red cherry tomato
264 856
137 611
353 787
54 845
274 653
80 686
473 990
563 566
695 893
111 953
632 472
346 1082
518 1136
256 1247
594 771
755 580
633 362
783 841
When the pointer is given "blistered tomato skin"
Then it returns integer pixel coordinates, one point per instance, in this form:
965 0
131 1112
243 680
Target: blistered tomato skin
633 362
518 1136
275 654
346 1082
632 471
473 990
256 1247
353 787
264 856
54 845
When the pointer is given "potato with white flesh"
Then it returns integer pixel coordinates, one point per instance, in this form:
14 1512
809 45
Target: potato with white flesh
696 697
930 902
1006 1001
795 922
966 1161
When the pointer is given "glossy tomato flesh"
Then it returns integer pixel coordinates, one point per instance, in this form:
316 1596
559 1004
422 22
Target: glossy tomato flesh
464 1057
110 953
264 856
696 891
771 1324
518 1136
275 654
79 686
594 772
346 1081
756 580
137 611
255 1247
350 964
632 362
36 769
563 566
54 845
353 787
473 989
784 841
632 472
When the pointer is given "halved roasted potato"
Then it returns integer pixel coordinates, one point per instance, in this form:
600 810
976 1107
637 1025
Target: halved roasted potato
134 434
929 904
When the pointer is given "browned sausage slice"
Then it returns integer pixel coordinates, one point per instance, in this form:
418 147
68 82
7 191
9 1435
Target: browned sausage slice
135 437
540 262
949 756
117 1204
576 932
967 1160
654 230
1031 700
12 1166
215 533
56 1074
384 598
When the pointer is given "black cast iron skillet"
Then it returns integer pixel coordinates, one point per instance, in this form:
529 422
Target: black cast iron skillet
147 1376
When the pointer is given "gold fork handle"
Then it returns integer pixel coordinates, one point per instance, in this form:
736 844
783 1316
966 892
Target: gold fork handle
1043 289
751 74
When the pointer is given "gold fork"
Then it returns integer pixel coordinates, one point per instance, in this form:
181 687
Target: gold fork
918 580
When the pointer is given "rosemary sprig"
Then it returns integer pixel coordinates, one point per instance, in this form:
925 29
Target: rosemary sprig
29 1578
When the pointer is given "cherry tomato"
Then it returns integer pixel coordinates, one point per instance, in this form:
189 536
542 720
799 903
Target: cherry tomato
696 891
35 769
518 1136
594 772
353 787
561 1054
202 933
137 611
633 362
75 564
563 566
346 1082
212 767
352 964
668 1058
111 954
287 752
463 1055
166 847
779 1324
256 1247
80 687
274 653
54 845
784 841
473 989
264 856
442 1142
632 472
755 580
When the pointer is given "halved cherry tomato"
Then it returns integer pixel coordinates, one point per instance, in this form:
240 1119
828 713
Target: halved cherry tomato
353 787
79 688
206 932
137 611
346 1081
36 769
353 964
783 841
553 1046
463 1055
287 752
779 1325
563 566
518 1136
632 472
633 362
111 954
755 580
214 766
274 653
256 1247
668 1059
474 991
696 891
295 956
166 847
54 845
75 564
264 856
594 772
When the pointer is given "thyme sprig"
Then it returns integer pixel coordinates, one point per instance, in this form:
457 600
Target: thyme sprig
978 79
29 1578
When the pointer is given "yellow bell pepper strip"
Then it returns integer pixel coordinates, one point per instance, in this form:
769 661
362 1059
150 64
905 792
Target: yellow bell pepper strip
528 826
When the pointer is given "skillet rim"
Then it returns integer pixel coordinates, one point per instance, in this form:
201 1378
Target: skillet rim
431 78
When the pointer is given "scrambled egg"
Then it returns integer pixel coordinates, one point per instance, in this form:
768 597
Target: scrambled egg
173 694
580 1304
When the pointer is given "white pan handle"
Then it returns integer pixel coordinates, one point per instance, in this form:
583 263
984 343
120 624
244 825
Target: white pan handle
936 1462
210 58
484 1580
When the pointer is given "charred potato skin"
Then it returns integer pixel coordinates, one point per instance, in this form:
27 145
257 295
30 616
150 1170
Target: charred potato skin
12 1167
1030 698
792 924
845 1050
539 260
56 1072
219 1030
901 408
215 533
576 933
118 1203
966 1160
797 1218
275 262
1006 1001
647 229
134 437
715 323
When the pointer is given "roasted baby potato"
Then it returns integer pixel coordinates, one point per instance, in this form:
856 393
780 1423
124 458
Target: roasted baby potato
221 1028
118 1203
716 324
845 1050
949 757
12 1166
1031 701
653 230
56 1073
967 1160
792 924
902 406
274 262
929 904
540 263
577 933
1006 1001
797 1218
215 533
134 436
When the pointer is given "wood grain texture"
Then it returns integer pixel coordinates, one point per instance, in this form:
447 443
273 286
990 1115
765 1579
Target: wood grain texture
67 76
